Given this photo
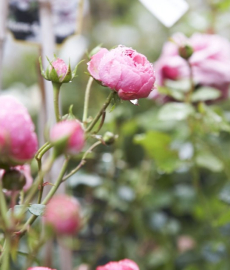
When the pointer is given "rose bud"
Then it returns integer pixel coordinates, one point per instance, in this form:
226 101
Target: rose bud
109 138
68 137
62 214
23 170
18 141
124 70
58 71
125 264
185 51
13 180
40 268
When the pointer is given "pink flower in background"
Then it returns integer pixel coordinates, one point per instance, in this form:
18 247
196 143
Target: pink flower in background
18 141
61 68
125 264
210 62
63 214
70 134
40 268
124 70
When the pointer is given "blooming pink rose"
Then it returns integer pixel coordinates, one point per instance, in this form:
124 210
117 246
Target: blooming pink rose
62 213
61 68
124 70
125 264
40 268
18 141
70 134
210 62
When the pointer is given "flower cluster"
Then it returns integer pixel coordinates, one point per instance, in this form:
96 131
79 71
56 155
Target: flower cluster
209 58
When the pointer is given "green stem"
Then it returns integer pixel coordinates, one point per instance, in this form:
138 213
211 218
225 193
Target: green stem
192 85
86 102
82 162
3 206
56 90
97 117
31 220
6 254
58 182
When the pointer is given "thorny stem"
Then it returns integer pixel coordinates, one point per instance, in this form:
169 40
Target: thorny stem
82 162
86 102
102 110
56 91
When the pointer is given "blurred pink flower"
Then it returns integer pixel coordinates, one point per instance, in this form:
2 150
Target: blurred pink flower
185 243
40 268
125 264
18 141
70 134
210 62
124 70
63 214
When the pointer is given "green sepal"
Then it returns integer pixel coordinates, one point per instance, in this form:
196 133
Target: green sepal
68 76
41 68
75 69
52 75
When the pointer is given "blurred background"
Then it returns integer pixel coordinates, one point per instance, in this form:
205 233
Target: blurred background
138 196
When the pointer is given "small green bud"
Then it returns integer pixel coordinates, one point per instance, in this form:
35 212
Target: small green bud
185 51
13 180
109 138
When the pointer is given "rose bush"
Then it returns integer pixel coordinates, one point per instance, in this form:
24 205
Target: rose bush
124 70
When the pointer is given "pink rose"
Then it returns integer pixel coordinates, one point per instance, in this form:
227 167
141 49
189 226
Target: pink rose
70 135
40 268
60 67
62 213
125 264
18 141
210 62
124 70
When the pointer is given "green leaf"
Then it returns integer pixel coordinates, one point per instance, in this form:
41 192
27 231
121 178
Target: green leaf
37 209
223 219
157 145
209 161
212 119
224 195
181 85
205 93
17 211
175 111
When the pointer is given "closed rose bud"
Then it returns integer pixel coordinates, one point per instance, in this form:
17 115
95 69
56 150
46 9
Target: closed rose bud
13 180
125 264
40 268
23 170
68 137
109 138
124 70
62 214
18 141
58 71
